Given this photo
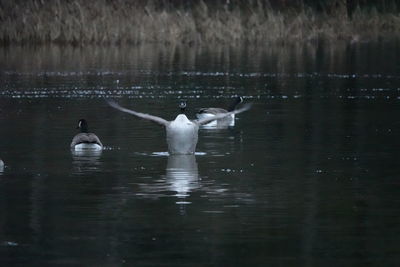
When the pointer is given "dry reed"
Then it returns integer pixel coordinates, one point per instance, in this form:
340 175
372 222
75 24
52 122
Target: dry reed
123 22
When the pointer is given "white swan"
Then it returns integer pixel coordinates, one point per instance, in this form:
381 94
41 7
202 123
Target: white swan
182 133
85 140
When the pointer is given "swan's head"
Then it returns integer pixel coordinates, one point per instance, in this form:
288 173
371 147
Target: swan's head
82 125
182 106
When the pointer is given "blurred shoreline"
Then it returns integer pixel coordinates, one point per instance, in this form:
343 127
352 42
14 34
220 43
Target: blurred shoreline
78 22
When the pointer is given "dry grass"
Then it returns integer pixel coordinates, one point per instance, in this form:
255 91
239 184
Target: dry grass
122 22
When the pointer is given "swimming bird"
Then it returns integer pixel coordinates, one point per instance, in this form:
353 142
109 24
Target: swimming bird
84 139
182 133
226 121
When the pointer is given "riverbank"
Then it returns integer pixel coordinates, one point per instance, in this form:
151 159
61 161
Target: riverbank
122 22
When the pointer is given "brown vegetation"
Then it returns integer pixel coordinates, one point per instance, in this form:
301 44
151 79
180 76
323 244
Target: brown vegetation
198 22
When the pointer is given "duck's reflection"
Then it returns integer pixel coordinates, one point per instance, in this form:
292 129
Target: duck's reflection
182 177
1 167
86 161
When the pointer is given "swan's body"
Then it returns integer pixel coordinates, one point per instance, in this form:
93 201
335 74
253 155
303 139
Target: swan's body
85 140
204 113
182 133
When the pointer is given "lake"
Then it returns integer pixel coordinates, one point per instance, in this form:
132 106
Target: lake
309 176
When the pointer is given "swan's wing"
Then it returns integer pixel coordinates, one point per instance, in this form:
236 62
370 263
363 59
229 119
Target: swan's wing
152 118
220 116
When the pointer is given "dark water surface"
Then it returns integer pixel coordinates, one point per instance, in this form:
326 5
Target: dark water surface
308 177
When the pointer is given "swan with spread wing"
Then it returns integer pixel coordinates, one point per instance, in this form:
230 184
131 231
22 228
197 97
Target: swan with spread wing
182 133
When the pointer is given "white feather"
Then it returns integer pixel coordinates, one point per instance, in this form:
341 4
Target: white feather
182 135
86 146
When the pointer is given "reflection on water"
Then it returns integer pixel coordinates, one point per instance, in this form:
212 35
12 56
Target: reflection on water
1 166
308 176
182 174
181 178
87 160
295 72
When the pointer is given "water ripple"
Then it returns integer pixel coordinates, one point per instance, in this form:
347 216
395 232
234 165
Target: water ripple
201 74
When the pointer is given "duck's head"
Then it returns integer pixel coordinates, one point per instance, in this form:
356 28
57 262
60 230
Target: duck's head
236 102
82 125
182 106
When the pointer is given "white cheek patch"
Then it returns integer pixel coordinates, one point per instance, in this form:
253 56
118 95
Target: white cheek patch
79 125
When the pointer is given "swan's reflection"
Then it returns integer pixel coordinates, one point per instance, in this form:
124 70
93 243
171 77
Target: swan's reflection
181 177
182 174
86 161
